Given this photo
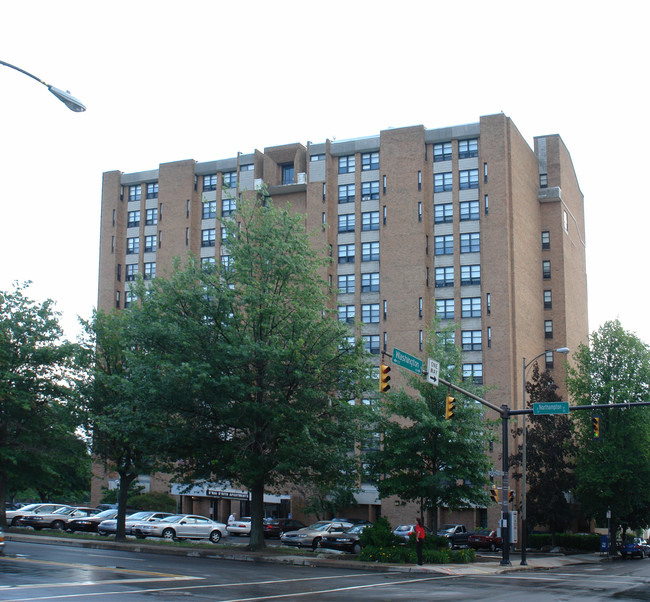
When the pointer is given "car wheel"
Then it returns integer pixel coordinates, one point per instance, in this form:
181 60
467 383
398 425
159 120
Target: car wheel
140 536
15 521
356 548
450 544
102 533
169 534
57 524
315 543
215 536
493 548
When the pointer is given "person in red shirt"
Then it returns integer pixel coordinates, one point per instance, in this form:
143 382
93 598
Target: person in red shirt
419 539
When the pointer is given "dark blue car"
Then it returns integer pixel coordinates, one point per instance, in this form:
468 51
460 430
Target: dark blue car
634 547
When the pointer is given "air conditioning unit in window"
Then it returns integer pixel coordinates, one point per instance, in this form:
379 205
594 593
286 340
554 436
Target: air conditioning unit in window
302 178
258 183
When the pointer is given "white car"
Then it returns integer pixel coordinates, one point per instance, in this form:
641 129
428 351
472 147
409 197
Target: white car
310 537
14 517
109 526
182 526
240 527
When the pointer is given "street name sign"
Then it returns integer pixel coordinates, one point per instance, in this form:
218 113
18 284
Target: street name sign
554 407
404 360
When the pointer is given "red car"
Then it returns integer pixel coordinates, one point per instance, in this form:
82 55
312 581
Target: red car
485 539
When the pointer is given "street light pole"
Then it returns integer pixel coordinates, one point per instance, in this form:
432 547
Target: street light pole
524 518
65 97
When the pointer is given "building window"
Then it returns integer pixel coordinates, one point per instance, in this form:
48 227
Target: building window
443 245
488 303
129 298
548 329
210 182
548 300
473 373
149 270
209 209
442 151
487 204
371 343
346 313
443 214
549 359
420 307
135 193
445 309
470 242
152 190
419 180
370 313
346 222
132 219
546 240
468 178
228 207
546 269
117 299
224 233
543 180
251 167
470 307
370 282
207 263
317 157
444 277
346 253
565 220
226 262
442 182
288 173
346 283
469 211
370 251
132 246
150 243
467 148
489 336
346 193
208 237
230 179
471 340
346 164
369 161
152 217
369 191
131 271
470 274
419 211
370 220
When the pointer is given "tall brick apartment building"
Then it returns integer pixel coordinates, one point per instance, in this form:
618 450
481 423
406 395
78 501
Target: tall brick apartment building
466 221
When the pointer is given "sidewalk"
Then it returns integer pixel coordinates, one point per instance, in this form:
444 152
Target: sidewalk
486 565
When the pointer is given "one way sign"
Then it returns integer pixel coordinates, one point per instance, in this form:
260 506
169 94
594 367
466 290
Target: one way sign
433 372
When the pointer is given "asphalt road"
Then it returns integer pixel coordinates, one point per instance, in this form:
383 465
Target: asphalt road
41 571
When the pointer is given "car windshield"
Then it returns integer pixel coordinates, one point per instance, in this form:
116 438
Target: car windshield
447 528
404 528
30 507
139 516
319 526
174 518
483 532
63 511
106 513
356 529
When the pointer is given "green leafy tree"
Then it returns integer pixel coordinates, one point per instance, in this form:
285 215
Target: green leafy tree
550 452
38 418
426 458
255 368
128 433
613 471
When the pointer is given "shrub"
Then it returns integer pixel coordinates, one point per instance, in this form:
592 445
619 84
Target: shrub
162 502
396 554
379 535
569 541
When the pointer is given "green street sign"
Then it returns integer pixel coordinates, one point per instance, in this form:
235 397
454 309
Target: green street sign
555 407
404 360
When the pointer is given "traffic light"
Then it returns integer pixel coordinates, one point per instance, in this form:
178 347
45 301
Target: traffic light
450 406
494 495
595 427
384 378
511 496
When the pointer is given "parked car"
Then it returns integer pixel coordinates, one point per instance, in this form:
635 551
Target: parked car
89 524
14 517
275 527
57 519
484 539
310 537
347 541
2 541
13 505
182 526
457 535
634 547
241 526
109 526
404 531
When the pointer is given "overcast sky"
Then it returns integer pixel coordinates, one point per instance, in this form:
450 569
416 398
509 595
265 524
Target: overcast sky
203 80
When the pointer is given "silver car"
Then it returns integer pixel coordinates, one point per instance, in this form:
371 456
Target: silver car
182 526
15 517
109 526
310 537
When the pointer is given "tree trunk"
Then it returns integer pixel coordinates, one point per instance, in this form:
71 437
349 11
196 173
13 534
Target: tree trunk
257 515
126 478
